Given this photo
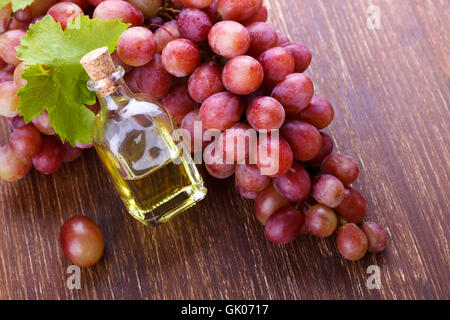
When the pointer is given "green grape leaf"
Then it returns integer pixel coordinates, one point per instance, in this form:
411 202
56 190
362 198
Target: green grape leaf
16 4
56 81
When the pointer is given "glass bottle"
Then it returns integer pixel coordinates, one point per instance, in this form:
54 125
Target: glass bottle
135 138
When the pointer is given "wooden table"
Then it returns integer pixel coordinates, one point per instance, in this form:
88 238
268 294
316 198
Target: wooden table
390 87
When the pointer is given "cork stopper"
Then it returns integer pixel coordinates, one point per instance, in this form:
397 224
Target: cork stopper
98 64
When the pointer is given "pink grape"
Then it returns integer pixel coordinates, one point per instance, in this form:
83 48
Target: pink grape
8 43
242 75
249 177
113 9
18 80
181 57
376 236
221 111
294 93
327 148
83 4
238 10
321 221
16 122
63 12
24 15
136 46
12 165
262 37
265 113
205 81
49 158
118 62
353 207
301 54
295 185
328 190
188 124
260 16
26 141
148 7
194 24
42 123
274 157
352 242
235 142
282 39
245 193
179 103
304 139
151 79
343 167
277 63
199 4
215 162
267 202
168 32
70 153
229 39
284 226
319 113
9 101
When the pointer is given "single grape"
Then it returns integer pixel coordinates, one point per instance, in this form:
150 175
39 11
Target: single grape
82 241
260 16
229 39
205 81
242 75
63 12
194 24
26 141
12 165
262 37
215 162
42 123
284 226
249 177
304 139
295 185
327 148
283 39
168 32
149 8
9 101
319 113
267 202
277 63
343 167
113 9
353 207
70 153
199 4
16 122
18 80
294 93
221 111
8 43
238 10
179 103
193 140
49 158
274 156
181 57
265 113
329 190
151 79
376 236
352 242
245 193
24 15
136 46
302 56
321 221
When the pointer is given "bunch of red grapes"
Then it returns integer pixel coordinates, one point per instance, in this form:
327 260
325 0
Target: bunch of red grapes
218 62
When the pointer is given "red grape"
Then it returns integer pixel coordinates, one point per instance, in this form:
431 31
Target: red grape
304 139
294 93
16 122
215 162
82 241
118 62
321 221
168 32
260 16
267 202
262 37
179 102
295 185
342 167
113 9
24 15
12 165
26 141
63 12
221 111
319 113
327 148
376 236
284 225
83 4
329 190
181 57
205 81
9 101
212 11
301 54
353 207
352 242
236 142
245 193
194 24
42 123
265 113
277 63
49 158
8 43
274 156
151 79
242 75
283 39
229 39
18 80
148 8
238 10
199 4
249 177
136 46
70 153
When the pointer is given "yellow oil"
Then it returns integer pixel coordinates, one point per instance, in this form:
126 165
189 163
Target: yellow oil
152 176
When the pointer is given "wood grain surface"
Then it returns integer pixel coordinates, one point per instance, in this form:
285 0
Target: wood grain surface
390 87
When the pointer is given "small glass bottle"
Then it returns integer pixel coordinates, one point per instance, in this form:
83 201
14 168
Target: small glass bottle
134 137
